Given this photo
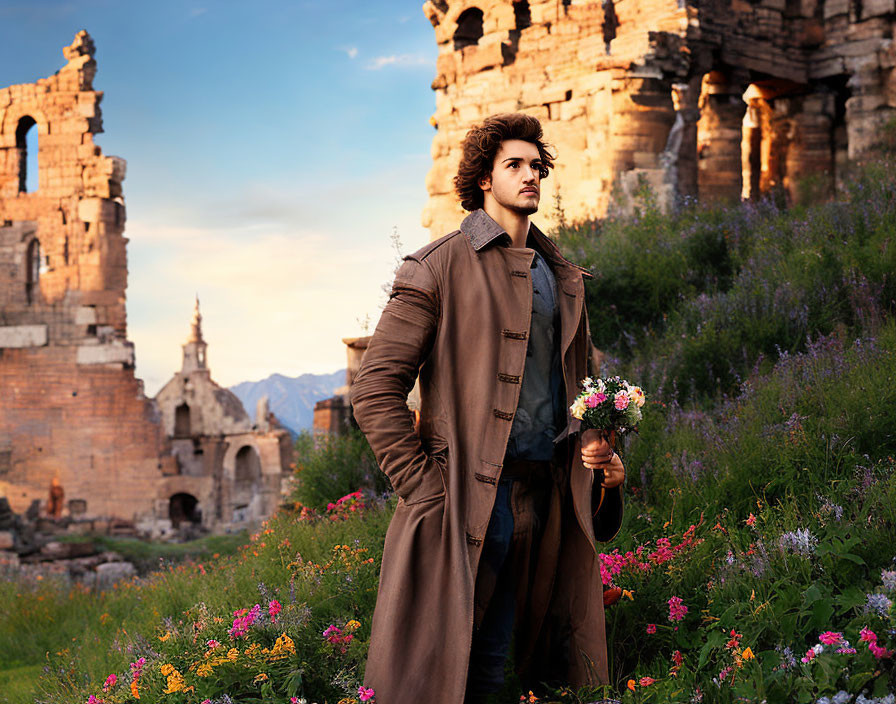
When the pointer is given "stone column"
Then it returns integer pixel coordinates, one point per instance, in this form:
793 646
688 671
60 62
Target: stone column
719 135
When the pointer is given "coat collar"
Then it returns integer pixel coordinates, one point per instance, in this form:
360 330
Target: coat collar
481 230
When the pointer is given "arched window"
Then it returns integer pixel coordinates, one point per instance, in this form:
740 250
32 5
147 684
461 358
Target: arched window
32 271
248 466
469 28
522 14
182 421
26 145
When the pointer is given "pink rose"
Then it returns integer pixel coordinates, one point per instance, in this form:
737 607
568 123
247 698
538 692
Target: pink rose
621 401
651 628
594 400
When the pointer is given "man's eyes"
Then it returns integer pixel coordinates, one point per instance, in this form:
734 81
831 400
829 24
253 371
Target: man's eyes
536 165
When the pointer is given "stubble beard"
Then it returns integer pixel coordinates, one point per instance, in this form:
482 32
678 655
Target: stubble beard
524 209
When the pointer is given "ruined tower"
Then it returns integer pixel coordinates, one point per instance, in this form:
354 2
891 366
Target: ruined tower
70 405
229 470
713 99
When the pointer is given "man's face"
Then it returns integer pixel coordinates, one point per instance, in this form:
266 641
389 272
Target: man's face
515 180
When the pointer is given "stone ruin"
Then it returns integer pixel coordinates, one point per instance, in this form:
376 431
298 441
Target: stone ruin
228 466
713 100
71 408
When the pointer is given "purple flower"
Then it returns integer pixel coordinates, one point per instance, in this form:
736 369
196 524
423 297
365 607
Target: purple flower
877 604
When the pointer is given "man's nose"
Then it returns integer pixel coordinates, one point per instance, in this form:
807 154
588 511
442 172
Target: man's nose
530 174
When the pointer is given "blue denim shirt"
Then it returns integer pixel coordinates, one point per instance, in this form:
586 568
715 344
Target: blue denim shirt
535 423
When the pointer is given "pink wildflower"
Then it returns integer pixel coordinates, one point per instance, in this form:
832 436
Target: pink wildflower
677 609
92 699
110 682
621 401
242 620
274 608
830 638
331 506
879 651
677 658
866 635
651 628
212 644
137 669
646 681
365 694
810 654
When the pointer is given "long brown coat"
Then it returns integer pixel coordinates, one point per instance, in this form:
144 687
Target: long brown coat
459 315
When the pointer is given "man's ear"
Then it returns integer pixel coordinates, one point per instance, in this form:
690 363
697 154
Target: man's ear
485 183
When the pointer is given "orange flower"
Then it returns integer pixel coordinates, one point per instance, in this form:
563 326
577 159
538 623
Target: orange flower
748 654
631 685
134 693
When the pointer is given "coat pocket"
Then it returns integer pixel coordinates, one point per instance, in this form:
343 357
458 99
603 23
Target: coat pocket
431 484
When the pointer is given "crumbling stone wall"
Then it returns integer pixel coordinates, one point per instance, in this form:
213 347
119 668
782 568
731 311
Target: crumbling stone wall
229 470
70 405
725 99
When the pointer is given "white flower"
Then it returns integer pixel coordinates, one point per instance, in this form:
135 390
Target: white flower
578 408
636 394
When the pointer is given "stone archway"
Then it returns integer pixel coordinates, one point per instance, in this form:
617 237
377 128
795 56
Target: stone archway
182 508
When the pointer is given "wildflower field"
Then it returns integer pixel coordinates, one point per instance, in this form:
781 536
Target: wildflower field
756 558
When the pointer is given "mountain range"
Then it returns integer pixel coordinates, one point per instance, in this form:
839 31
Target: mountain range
291 399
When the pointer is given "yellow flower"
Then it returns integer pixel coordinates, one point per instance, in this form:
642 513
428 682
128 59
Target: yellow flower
578 408
175 683
204 670
165 637
260 677
283 646
232 654
167 669
352 625
626 593
748 654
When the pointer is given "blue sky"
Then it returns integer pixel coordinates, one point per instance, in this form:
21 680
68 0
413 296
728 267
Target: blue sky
272 147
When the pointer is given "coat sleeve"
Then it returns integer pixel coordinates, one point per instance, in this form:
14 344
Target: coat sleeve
399 346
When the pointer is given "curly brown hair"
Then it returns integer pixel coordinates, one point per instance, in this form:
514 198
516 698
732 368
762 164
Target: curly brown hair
481 145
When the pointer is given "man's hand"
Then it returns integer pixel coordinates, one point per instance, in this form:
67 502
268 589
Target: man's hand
597 454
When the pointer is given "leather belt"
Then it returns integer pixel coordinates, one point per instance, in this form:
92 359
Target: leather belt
525 469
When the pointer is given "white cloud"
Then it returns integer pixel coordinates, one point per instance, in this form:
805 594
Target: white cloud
351 51
402 60
196 11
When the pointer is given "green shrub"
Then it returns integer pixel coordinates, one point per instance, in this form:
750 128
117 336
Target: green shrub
332 466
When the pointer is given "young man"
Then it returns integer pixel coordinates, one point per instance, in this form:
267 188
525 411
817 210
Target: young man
501 498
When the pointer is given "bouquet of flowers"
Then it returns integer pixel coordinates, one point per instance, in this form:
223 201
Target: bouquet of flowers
612 405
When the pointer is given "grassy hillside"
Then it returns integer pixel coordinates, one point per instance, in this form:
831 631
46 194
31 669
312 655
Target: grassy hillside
756 560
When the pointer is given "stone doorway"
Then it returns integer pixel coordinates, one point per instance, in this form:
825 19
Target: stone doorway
182 509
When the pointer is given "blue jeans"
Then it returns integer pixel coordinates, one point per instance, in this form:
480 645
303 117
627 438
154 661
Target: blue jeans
495 599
